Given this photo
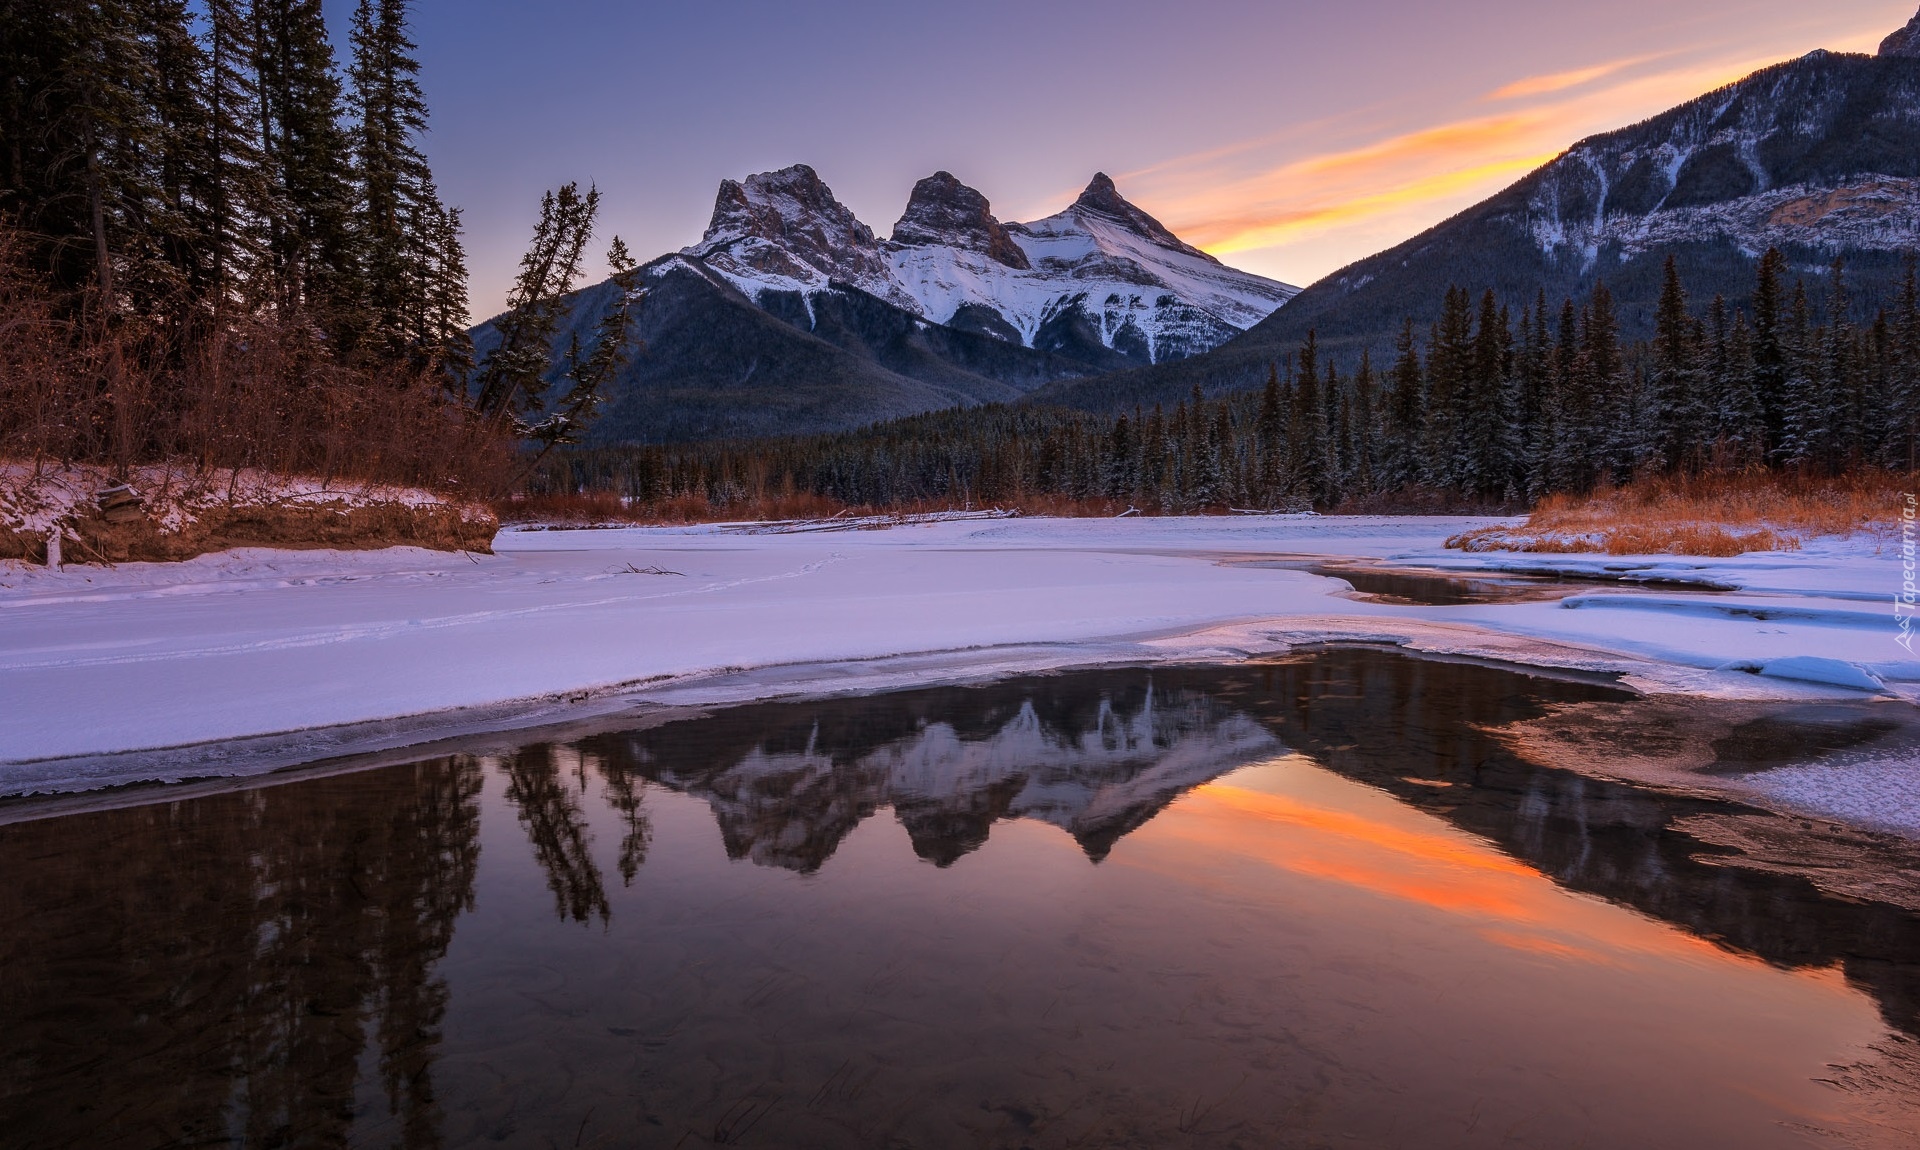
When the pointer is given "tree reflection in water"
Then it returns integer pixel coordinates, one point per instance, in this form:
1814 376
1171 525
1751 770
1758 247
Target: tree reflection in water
260 968
557 827
213 971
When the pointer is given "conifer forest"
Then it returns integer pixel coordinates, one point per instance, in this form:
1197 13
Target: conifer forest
1485 408
218 242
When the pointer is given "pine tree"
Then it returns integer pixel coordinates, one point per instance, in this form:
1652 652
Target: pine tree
1483 465
1365 428
1270 442
238 199
1605 385
512 382
443 333
1310 463
1843 398
1677 430
1218 463
399 213
1803 427
1769 350
587 375
80 135
182 176
315 261
1904 387
1568 464
1533 374
1449 366
1120 460
1401 467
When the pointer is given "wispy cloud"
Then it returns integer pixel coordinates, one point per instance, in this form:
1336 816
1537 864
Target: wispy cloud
1561 81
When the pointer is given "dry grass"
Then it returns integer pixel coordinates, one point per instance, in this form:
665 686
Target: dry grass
1709 515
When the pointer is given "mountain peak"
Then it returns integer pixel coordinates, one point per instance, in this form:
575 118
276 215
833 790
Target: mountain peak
786 229
945 212
1905 42
1104 199
770 203
1102 196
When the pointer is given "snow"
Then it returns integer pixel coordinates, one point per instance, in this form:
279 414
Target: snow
1175 297
1811 669
1078 254
315 653
34 498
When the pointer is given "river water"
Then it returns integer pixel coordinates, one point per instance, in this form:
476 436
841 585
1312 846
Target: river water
1317 902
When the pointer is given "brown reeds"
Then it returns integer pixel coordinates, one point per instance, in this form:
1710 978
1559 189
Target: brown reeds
1714 515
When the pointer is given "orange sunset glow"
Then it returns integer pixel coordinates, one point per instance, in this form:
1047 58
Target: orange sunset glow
1311 200
1361 840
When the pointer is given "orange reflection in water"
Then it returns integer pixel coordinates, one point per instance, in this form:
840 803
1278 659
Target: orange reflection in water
1369 841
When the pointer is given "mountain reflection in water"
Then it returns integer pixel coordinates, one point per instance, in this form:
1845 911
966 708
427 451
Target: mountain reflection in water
280 966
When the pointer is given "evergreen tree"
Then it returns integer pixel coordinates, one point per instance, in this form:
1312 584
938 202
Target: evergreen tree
1484 463
1310 462
1904 370
315 261
1449 367
1365 428
239 202
1803 427
1401 464
1270 431
512 382
1769 349
400 218
1568 459
1674 410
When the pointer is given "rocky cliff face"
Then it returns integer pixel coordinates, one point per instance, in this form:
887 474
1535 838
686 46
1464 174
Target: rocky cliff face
1905 42
1821 154
1103 199
785 231
943 212
1102 283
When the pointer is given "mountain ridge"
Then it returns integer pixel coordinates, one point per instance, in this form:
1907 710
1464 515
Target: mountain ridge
955 309
1818 156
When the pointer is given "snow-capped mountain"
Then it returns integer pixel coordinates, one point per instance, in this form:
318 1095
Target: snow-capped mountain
1761 164
789 798
1101 274
784 232
1818 157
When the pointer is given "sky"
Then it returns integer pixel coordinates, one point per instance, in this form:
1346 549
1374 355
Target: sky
1286 138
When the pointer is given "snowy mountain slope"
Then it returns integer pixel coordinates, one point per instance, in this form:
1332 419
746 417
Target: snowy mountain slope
785 232
1805 155
1100 277
709 363
791 316
1101 263
1819 156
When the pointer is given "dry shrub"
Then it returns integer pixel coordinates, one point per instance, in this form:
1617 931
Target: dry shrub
260 391
1714 515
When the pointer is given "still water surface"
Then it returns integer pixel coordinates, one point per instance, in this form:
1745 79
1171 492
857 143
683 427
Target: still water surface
1314 903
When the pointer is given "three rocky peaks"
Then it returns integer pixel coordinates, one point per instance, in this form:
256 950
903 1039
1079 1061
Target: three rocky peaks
1101 274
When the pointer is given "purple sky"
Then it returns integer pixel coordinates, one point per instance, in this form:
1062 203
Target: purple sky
1288 138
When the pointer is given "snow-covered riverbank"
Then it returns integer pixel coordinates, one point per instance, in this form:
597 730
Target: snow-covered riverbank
409 644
